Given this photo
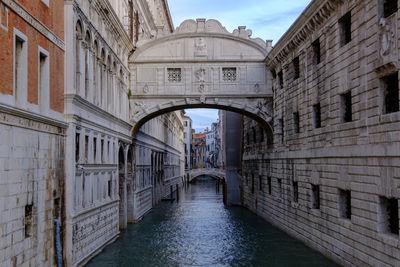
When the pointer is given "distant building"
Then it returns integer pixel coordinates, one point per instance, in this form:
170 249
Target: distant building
199 145
188 142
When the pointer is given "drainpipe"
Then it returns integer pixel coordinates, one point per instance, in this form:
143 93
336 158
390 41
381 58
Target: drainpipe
58 243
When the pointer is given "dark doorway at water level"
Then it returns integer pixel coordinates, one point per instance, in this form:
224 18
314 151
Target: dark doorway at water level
199 231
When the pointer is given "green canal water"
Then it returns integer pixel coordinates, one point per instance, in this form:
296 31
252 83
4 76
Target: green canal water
199 231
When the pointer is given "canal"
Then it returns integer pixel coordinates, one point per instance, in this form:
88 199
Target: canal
199 231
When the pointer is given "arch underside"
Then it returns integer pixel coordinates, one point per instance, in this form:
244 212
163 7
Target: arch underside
259 109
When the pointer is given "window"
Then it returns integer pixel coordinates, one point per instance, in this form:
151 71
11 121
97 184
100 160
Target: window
295 191
389 7
109 187
229 74
260 182
261 134
248 138
28 220
174 74
269 185
345 29
280 188
390 85
184 135
317 115
346 107
186 124
296 122
282 128
102 150
345 203
86 148
3 17
20 68
280 78
315 196
94 149
316 47
44 81
389 215
296 67
77 137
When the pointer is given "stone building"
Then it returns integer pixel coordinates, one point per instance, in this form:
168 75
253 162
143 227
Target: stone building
32 130
199 147
331 176
188 139
159 162
111 177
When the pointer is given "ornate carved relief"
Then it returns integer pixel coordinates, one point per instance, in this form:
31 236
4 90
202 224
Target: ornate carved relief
146 89
201 75
264 107
200 47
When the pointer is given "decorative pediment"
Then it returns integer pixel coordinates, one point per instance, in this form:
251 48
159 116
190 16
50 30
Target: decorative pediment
201 25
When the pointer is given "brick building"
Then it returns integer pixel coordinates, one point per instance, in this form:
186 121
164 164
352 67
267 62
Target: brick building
32 130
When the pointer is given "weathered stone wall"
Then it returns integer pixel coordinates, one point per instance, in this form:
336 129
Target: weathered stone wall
31 188
158 161
357 155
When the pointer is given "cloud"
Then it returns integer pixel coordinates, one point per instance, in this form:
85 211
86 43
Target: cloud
203 112
268 19
202 117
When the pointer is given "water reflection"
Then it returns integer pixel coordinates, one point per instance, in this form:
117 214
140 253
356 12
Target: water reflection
200 231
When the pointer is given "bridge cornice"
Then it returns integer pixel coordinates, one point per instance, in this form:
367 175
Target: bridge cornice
177 36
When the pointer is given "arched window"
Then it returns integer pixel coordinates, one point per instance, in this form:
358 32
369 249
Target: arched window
108 88
87 51
78 39
95 76
102 62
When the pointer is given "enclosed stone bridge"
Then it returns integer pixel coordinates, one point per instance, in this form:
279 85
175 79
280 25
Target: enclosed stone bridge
212 172
201 65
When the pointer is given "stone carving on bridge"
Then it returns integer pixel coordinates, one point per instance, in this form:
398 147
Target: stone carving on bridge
138 107
201 47
264 107
202 88
146 89
201 75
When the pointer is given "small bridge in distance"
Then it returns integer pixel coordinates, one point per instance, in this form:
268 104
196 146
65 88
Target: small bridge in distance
212 172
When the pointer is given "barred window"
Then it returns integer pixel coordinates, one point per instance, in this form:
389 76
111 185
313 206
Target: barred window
229 74
174 74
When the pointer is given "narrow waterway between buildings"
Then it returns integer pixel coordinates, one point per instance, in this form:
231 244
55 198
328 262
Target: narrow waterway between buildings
199 231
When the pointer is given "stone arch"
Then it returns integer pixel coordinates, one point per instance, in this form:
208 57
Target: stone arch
148 113
202 65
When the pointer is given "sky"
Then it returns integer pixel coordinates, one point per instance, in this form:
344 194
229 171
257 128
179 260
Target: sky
268 20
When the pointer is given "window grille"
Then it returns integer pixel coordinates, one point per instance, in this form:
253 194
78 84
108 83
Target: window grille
229 74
